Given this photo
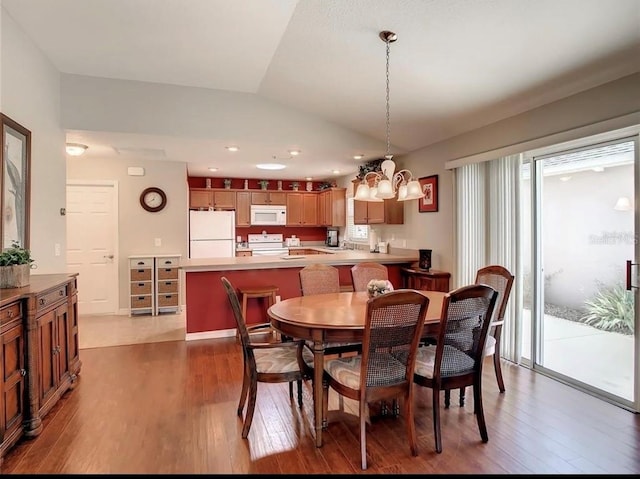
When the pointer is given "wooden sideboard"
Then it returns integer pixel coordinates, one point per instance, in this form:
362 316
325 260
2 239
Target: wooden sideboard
39 357
415 278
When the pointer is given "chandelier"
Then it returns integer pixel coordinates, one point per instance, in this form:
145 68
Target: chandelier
387 183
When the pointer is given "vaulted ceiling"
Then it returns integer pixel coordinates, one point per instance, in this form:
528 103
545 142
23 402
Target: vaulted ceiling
457 65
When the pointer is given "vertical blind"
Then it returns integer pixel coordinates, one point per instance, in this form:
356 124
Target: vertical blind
487 199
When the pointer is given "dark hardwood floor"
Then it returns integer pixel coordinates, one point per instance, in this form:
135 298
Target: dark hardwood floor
170 407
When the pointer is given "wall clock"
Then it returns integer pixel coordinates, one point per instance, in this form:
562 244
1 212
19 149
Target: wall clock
153 199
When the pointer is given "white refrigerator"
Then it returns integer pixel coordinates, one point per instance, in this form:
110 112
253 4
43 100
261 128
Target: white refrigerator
212 234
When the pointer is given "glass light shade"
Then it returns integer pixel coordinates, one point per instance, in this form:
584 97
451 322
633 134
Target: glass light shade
402 193
385 190
414 190
76 149
623 204
362 193
373 192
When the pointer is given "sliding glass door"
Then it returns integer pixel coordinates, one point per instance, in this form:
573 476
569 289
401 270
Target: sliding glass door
579 232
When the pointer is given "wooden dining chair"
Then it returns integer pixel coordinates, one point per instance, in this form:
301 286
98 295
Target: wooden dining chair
362 273
318 278
500 279
393 327
268 362
456 359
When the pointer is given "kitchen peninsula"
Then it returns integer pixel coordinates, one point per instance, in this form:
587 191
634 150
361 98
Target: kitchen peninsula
209 314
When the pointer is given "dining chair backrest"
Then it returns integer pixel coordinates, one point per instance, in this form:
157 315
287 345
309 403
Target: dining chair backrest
237 314
393 329
362 273
500 279
465 321
319 278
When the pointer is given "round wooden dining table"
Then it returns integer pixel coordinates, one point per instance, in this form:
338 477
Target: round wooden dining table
334 317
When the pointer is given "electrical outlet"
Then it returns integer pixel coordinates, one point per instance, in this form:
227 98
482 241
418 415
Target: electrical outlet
158 241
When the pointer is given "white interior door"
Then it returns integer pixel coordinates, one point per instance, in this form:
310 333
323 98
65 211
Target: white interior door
92 242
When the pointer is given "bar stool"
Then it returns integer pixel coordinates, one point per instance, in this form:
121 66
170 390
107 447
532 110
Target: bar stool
256 292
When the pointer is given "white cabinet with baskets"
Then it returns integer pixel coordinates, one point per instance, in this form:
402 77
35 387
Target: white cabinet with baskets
154 284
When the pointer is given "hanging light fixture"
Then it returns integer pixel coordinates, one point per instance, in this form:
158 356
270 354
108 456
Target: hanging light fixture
387 183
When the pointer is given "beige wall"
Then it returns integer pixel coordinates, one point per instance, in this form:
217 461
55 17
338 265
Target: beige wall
138 228
575 115
31 96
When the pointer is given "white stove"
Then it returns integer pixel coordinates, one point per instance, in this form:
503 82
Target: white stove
266 245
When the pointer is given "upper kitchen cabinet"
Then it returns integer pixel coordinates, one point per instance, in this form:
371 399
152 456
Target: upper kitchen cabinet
243 208
302 209
269 198
209 198
390 212
332 207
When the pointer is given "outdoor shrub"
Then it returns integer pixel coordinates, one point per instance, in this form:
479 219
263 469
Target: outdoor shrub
611 310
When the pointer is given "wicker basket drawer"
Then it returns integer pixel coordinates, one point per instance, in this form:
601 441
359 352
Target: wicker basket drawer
167 273
141 274
167 287
140 302
167 300
141 288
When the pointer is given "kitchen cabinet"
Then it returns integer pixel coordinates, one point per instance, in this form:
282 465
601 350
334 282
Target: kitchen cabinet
415 278
12 375
243 253
332 207
243 208
205 198
268 198
302 209
390 212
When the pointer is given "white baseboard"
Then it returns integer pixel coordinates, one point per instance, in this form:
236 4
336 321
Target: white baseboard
220 333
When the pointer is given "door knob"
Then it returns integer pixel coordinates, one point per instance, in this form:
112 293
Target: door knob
108 256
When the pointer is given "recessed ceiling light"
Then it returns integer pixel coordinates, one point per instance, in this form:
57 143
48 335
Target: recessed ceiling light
270 166
294 152
336 172
308 178
598 168
565 178
76 149
213 168
231 148
358 157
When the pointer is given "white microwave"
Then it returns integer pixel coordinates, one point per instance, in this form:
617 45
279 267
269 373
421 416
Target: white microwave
268 215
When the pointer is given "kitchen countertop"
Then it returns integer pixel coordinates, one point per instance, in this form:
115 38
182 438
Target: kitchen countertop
336 257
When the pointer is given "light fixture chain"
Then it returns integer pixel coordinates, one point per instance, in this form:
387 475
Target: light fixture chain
388 155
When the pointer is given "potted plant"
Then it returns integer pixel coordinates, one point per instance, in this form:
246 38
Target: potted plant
15 263
227 183
263 184
295 185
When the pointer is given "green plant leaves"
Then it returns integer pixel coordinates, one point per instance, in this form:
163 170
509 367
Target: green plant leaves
15 255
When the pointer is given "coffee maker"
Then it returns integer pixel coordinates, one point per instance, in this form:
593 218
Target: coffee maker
332 238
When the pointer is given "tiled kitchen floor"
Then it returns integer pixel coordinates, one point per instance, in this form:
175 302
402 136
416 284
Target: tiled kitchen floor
97 331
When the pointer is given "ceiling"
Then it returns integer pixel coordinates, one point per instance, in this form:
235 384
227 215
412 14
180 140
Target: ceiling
457 65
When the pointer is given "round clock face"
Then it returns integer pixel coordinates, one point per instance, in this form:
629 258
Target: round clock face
153 199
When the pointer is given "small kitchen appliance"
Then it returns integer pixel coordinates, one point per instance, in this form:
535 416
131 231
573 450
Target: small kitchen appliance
332 237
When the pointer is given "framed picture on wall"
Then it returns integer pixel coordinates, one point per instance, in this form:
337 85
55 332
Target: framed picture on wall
429 185
15 160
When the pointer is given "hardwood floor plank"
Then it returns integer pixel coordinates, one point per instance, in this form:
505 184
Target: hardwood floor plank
170 408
